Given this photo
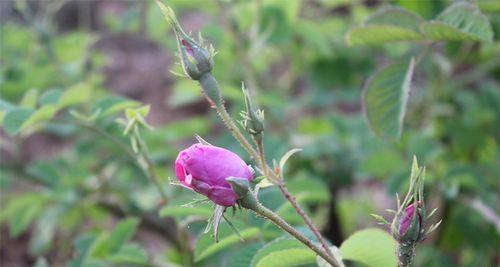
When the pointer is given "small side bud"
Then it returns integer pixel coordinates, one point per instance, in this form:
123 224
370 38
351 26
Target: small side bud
253 119
195 58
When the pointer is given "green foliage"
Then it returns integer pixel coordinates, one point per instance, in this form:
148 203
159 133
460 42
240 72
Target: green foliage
68 175
387 24
372 247
385 98
459 22
205 246
110 247
283 252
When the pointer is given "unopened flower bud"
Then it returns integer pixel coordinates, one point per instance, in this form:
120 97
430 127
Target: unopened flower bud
196 60
253 119
409 224
205 168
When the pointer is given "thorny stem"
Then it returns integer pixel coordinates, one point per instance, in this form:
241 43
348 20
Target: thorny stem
405 253
262 156
226 118
304 216
210 85
250 202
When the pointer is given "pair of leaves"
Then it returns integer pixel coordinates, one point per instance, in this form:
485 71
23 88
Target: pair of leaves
460 22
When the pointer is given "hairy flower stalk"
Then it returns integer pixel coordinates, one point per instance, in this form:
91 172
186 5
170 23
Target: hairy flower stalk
197 63
247 199
409 224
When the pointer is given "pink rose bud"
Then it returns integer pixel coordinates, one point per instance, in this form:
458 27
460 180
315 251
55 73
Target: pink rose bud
407 219
204 169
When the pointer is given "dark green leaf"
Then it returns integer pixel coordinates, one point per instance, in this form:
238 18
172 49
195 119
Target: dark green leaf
385 97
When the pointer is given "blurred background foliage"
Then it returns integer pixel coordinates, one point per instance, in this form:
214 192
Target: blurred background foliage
72 193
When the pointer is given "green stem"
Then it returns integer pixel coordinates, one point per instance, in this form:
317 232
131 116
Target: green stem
304 216
251 203
405 253
212 92
262 157
149 169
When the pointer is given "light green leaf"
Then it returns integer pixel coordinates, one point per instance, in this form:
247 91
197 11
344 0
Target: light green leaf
280 244
285 158
336 253
389 24
206 245
76 94
129 254
243 257
121 234
288 257
489 6
113 104
378 34
20 212
180 211
15 118
42 114
460 21
372 247
29 99
385 97
99 247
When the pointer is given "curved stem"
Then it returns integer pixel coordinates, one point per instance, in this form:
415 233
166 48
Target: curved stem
212 92
405 253
304 216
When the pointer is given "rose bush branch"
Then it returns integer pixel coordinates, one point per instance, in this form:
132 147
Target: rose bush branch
197 63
